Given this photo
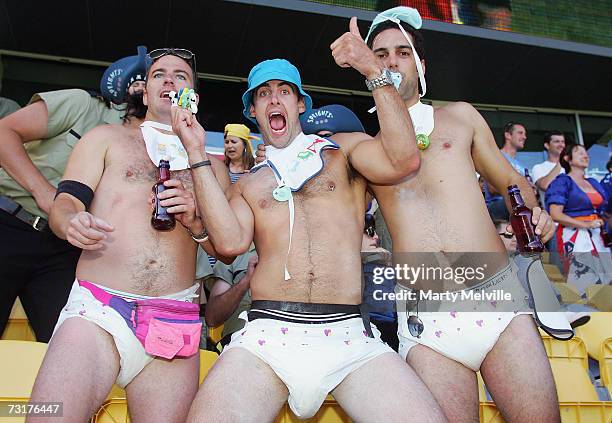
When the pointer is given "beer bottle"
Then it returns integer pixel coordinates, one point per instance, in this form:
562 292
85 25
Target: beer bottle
161 219
520 219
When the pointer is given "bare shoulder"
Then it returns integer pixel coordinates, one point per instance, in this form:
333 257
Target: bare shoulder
104 136
459 109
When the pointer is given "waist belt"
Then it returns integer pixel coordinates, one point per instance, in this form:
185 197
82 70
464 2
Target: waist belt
317 309
14 209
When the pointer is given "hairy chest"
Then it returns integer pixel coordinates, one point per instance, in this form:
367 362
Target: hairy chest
131 164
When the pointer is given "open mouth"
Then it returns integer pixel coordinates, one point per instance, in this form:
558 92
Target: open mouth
278 122
165 94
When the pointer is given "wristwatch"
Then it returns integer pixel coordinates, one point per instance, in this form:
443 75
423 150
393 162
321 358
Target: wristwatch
199 238
380 81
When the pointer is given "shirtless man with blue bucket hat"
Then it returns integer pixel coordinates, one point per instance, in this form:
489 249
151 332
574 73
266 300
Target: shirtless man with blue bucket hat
306 334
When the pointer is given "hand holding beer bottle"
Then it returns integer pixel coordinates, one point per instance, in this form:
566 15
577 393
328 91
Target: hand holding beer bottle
161 219
521 220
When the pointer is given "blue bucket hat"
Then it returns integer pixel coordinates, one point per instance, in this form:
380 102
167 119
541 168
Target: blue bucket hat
119 75
268 70
333 118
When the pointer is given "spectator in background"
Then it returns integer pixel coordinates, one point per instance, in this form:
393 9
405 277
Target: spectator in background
373 258
544 173
7 106
238 150
577 204
515 136
329 120
230 294
43 266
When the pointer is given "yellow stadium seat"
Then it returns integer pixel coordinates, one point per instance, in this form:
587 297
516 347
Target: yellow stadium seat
595 331
573 383
482 394
571 412
600 297
586 412
216 333
19 364
552 270
112 411
489 413
569 293
17 327
569 363
207 359
330 412
605 364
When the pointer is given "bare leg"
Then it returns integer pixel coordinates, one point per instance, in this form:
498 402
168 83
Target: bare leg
163 390
453 385
518 375
239 388
79 370
400 395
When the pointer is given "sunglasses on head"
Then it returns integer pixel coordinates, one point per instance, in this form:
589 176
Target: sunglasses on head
181 53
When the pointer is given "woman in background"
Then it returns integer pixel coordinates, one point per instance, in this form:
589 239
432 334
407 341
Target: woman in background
578 204
238 150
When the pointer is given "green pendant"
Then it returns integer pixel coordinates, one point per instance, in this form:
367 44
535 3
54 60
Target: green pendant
422 141
281 193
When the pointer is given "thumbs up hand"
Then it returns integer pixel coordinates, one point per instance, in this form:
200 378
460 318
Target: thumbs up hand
349 50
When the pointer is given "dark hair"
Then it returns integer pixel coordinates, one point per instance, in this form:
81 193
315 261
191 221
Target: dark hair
609 165
417 37
549 135
569 152
135 107
509 127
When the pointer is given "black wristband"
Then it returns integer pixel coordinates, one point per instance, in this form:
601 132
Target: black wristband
200 164
78 190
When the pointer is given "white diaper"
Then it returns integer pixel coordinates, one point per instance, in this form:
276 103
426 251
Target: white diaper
465 336
133 358
310 359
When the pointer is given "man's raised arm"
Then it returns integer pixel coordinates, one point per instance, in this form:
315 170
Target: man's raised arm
230 224
392 155
69 218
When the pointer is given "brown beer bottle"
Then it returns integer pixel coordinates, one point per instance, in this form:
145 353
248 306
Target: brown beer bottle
526 239
161 219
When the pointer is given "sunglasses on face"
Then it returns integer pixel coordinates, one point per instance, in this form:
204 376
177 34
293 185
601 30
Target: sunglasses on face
506 235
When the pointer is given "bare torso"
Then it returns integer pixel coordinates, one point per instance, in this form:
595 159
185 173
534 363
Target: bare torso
136 257
324 261
441 207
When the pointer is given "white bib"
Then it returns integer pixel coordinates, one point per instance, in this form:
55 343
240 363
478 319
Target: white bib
162 146
422 117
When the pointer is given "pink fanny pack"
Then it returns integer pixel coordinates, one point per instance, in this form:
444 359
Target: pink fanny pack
166 328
